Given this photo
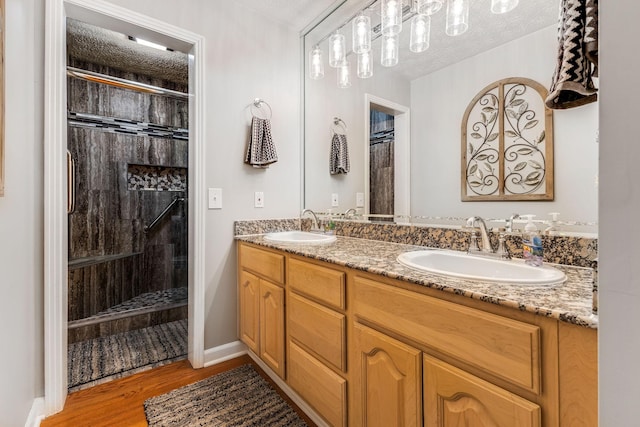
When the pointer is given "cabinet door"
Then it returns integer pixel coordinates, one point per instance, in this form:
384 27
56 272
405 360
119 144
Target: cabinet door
387 381
455 398
272 326
249 290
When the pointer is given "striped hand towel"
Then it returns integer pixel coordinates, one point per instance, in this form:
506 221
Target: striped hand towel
339 158
261 151
572 83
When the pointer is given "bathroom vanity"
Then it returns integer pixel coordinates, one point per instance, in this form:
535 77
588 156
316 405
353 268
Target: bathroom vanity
365 340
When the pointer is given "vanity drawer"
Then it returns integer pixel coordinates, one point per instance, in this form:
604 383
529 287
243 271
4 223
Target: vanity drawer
268 264
321 283
503 347
320 329
322 388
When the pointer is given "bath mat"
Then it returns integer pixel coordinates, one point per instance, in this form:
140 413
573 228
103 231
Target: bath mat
238 397
101 359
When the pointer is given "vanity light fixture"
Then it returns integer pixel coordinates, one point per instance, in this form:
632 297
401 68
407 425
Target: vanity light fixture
391 15
428 7
389 52
361 34
457 17
365 65
337 50
420 33
344 77
503 6
316 64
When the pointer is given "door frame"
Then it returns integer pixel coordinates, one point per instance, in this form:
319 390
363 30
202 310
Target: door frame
119 19
401 152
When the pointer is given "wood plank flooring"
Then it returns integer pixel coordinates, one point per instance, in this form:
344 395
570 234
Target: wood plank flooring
120 402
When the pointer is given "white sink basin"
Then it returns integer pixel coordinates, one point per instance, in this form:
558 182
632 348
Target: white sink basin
458 264
302 237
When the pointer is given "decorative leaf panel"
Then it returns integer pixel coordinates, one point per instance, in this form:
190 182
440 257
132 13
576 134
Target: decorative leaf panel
507 143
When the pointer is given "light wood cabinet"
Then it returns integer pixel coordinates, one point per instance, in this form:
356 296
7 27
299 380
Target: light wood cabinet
367 350
249 295
272 326
387 381
316 338
455 398
261 305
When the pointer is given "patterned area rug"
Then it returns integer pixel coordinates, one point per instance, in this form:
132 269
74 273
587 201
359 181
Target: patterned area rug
239 397
102 359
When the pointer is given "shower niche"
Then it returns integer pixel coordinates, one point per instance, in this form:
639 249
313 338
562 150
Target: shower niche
128 260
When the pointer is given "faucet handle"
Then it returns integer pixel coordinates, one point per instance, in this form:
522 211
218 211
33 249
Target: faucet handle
473 241
502 251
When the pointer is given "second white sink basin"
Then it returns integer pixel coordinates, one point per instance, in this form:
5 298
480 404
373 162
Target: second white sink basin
459 264
302 237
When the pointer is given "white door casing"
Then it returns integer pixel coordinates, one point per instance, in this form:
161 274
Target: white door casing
119 19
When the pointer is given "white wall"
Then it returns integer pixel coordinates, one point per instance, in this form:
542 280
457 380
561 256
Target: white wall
438 102
247 56
619 251
324 100
21 215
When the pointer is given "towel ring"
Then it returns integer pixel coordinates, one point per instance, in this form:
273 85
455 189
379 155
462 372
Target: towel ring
339 124
257 104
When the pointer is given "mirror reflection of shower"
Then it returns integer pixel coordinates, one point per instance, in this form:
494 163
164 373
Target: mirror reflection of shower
381 162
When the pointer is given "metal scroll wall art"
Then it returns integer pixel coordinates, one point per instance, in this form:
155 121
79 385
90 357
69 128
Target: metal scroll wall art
507 143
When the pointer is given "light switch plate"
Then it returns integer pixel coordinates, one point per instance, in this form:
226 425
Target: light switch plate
215 198
359 200
258 200
334 200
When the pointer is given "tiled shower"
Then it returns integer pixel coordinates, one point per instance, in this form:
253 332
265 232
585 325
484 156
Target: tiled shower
131 157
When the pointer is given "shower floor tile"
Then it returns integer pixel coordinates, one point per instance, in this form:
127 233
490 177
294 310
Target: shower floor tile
102 359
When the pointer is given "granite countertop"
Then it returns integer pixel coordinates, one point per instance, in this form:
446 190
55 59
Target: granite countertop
569 302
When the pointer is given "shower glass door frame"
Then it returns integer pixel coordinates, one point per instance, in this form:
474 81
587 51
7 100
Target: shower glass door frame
55 203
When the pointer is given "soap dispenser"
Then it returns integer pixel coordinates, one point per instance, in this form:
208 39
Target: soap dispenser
531 243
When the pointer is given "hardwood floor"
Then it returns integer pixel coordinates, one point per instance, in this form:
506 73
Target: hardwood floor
120 402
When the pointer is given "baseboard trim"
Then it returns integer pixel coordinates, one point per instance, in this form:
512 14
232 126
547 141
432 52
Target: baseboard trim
36 414
304 406
224 352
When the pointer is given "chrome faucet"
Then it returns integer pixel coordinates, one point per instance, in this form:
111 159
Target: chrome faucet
509 227
487 250
315 225
484 235
350 212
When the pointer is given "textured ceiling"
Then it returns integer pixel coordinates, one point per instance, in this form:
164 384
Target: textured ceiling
296 14
105 47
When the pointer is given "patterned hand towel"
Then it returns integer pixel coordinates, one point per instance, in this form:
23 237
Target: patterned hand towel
261 151
339 158
572 83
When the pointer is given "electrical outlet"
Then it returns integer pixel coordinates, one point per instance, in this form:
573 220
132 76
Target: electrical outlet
359 200
334 200
215 198
258 200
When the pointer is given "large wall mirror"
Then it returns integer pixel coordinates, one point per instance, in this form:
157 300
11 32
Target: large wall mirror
421 102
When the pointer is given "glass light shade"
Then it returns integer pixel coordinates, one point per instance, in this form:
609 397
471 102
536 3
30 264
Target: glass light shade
503 6
389 50
344 77
420 33
361 32
391 15
457 17
428 7
337 50
365 65
316 65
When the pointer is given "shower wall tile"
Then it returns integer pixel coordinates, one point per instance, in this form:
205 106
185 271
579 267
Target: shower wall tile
109 218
